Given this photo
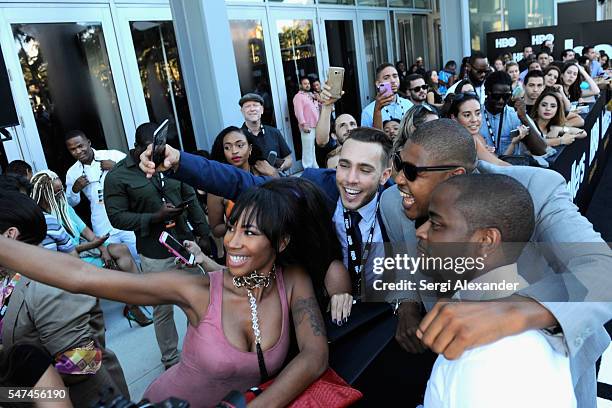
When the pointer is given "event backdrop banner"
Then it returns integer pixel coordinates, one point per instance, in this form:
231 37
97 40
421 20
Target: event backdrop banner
574 36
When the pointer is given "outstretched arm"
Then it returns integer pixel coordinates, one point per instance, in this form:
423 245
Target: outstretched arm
76 276
220 179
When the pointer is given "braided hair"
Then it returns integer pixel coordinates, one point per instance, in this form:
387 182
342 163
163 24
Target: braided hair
43 195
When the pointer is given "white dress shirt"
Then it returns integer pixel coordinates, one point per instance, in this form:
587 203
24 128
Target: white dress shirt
516 371
368 217
94 191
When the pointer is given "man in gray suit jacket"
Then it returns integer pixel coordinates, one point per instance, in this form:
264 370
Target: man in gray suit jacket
572 327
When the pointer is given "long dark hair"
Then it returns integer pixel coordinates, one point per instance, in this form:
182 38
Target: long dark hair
293 208
558 119
216 153
574 90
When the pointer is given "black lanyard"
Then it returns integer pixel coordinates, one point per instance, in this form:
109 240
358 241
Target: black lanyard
161 187
101 171
355 265
397 102
499 129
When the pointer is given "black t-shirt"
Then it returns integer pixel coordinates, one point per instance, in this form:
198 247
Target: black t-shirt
270 139
322 152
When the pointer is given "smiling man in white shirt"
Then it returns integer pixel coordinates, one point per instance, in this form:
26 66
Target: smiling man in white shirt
489 211
87 176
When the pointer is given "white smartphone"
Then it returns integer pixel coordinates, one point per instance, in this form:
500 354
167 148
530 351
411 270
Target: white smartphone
176 248
335 80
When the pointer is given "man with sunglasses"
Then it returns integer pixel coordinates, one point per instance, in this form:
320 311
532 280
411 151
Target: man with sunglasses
499 119
417 88
477 69
575 328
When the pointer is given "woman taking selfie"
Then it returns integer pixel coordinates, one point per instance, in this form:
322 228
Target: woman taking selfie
549 117
279 244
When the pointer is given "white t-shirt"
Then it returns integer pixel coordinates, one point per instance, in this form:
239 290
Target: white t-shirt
94 191
516 371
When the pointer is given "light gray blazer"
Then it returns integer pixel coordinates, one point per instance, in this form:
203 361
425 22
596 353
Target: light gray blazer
557 221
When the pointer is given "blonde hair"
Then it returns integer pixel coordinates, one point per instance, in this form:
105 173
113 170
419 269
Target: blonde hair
42 191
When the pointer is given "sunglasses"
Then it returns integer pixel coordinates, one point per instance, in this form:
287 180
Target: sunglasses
419 88
411 171
462 95
505 96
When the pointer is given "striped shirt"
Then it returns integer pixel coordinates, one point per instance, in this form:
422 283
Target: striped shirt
57 238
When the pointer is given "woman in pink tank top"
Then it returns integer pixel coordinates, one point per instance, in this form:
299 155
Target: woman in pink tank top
279 243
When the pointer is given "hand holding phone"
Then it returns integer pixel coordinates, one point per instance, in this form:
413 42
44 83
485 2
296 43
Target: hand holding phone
385 89
159 143
335 80
176 248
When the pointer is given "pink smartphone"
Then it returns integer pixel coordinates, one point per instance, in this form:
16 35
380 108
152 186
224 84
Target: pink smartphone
176 248
385 88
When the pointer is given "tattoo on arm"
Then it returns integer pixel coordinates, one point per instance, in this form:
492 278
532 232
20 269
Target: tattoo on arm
309 308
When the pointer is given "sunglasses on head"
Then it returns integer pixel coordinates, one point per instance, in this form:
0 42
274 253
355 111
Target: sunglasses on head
419 88
462 95
411 171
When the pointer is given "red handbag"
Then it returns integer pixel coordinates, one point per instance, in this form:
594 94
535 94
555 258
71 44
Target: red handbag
328 391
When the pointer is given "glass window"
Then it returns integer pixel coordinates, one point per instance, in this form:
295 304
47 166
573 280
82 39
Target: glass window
406 51
251 62
293 1
342 53
70 85
378 3
299 58
485 17
422 4
529 13
401 3
375 49
162 80
342 2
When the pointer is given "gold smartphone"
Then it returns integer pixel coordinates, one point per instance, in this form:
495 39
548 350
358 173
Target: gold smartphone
335 80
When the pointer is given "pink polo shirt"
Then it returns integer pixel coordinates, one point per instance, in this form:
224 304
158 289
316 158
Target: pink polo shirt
306 109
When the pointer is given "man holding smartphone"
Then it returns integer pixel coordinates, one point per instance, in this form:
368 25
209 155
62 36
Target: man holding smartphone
150 207
388 103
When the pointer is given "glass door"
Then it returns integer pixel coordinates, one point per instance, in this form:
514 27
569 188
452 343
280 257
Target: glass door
413 39
296 55
153 70
67 76
339 40
251 40
375 40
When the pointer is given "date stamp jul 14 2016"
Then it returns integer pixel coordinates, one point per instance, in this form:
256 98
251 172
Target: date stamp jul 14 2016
24 394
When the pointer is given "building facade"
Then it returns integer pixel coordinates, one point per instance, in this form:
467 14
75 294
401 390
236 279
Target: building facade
106 66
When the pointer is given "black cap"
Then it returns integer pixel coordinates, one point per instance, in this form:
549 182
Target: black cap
251 97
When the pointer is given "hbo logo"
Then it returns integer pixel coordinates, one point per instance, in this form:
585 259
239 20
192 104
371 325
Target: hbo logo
505 42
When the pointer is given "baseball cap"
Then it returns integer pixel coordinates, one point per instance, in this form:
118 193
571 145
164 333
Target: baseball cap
250 97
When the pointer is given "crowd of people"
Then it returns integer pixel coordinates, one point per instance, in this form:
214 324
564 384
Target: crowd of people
431 160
